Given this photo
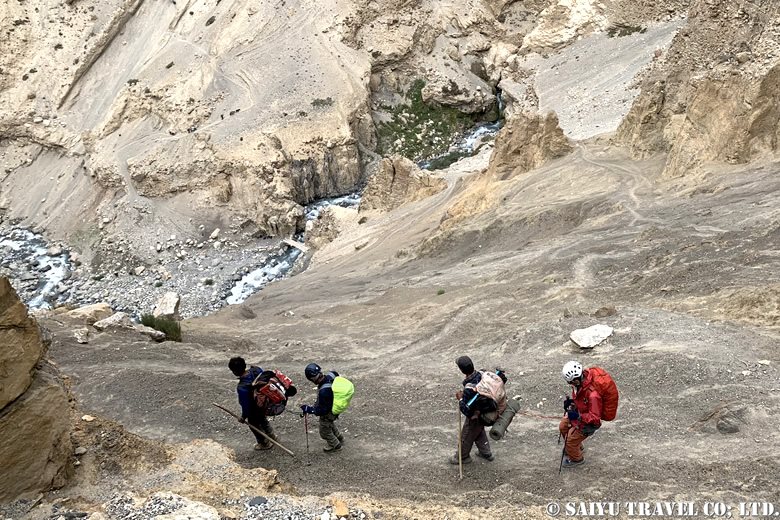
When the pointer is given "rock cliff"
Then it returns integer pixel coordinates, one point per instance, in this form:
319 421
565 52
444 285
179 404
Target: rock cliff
34 409
713 96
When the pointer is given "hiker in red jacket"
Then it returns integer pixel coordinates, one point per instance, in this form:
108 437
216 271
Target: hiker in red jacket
583 412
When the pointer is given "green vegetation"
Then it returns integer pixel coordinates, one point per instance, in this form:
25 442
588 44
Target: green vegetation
440 292
439 163
208 281
170 327
622 29
417 130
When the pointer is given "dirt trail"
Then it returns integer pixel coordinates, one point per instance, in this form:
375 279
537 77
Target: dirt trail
584 232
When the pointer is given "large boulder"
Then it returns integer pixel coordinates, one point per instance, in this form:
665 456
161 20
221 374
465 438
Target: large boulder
120 320
21 347
36 438
34 418
397 182
91 313
168 306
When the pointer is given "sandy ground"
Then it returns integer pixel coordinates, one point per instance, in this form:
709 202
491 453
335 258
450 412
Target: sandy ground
692 273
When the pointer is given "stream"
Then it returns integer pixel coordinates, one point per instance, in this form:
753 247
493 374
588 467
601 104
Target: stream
42 272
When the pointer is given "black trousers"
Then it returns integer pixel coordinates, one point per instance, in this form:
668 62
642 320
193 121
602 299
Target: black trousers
258 419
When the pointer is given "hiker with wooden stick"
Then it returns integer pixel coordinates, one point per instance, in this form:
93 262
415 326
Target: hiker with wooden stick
256 405
594 397
481 402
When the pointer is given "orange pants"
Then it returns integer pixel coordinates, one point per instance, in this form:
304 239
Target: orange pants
574 438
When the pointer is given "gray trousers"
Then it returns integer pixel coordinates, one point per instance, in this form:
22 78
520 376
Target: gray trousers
329 431
474 433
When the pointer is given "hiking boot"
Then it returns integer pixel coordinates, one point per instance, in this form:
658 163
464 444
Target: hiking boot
341 439
489 457
568 463
454 459
262 447
332 449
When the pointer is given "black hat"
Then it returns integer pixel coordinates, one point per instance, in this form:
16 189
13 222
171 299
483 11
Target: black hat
465 364
312 371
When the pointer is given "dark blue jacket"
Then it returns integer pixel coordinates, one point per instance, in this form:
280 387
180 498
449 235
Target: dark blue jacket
469 405
244 389
324 404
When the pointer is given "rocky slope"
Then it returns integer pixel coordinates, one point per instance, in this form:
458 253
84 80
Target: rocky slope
211 113
712 96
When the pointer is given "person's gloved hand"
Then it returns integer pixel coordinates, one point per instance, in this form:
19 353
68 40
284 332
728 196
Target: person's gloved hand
567 404
242 420
573 415
305 408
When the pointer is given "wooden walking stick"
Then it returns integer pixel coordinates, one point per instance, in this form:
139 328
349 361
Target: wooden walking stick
254 429
460 444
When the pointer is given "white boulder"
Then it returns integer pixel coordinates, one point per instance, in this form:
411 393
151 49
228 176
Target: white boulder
168 306
592 336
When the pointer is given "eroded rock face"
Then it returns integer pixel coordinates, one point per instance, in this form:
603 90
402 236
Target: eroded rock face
21 347
526 142
36 438
732 121
563 21
474 97
396 182
34 410
231 125
713 96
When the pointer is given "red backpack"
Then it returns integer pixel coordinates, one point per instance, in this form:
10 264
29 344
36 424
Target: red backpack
607 389
271 390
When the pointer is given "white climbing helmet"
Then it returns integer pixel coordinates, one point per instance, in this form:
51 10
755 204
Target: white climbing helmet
571 370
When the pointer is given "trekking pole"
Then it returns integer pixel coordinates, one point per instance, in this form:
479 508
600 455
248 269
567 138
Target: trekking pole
306 429
254 429
563 451
460 444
